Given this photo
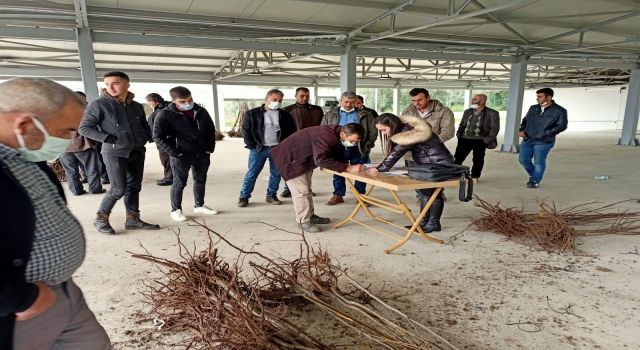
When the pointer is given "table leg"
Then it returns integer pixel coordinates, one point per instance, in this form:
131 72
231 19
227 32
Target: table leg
416 222
361 203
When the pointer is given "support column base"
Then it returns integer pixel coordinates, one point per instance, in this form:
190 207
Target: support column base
629 142
509 148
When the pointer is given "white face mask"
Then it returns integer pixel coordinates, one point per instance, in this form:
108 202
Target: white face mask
274 105
474 106
50 149
185 107
347 110
347 143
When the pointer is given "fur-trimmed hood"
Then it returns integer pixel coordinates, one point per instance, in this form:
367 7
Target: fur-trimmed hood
130 95
420 131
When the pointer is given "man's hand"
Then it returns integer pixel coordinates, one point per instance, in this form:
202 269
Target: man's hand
44 301
522 134
111 139
372 171
356 168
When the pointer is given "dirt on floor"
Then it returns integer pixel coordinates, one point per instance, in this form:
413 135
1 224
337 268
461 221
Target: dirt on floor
478 290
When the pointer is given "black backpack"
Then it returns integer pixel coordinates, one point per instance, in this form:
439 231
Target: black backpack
444 172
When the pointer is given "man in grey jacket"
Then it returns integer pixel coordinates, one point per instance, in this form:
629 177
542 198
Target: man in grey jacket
342 115
119 122
477 131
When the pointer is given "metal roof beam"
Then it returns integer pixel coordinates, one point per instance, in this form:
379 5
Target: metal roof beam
382 16
590 27
82 21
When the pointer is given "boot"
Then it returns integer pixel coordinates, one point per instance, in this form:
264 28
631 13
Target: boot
435 212
102 224
134 223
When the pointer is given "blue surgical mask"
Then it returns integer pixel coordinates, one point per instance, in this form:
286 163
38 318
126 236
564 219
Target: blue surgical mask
347 143
185 107
50 149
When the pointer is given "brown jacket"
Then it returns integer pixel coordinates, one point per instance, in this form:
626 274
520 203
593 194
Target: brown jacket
305 115
441 119
307 149
80 143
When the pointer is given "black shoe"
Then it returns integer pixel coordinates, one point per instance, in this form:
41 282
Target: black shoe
533 185
530 181
102 224
102 190
243 202
105 181
134 223
285 194
435 212
316 220
164 182
80 193
273 200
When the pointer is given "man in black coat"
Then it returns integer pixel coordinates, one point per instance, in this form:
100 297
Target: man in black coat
119 122
185 131
264 127
155 101
42 243
538 130
477 131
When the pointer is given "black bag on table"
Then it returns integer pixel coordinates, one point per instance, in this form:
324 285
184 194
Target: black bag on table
445 172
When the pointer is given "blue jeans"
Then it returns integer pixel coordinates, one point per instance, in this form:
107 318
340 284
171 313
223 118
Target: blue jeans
256 164
533 158
352 154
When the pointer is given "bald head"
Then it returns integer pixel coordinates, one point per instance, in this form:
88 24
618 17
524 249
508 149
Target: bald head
38 96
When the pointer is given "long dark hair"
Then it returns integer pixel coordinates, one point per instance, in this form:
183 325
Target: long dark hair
394 123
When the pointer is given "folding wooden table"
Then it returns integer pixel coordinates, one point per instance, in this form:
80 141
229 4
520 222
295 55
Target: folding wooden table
395 184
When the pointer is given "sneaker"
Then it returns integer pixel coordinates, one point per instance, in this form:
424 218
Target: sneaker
315 219
285 194
178 216
102 190
204 210
533 185
335 200
243 202
273 200
105 181
80 193
310 227
530 181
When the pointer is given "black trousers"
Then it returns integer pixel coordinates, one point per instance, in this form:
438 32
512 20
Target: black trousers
465 146
103 168
199 165
125 175
165 159
88 160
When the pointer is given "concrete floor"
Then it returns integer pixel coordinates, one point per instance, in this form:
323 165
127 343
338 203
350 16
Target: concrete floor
472 291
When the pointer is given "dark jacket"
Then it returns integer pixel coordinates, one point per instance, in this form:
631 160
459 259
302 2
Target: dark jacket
305 115
17 219
120 126
158 107
489 125
416 136
307 149
253 127
177 134
371 111
542 127
366 120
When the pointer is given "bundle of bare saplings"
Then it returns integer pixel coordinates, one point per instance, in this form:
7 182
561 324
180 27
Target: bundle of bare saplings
303 303
554 229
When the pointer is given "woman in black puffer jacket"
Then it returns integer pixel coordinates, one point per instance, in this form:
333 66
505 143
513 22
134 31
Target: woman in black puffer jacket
409 133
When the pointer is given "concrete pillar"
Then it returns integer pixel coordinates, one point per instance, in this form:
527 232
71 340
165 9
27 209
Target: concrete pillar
396 100
87 63
216 107
348 69
314 97
514 106
467 97
631 112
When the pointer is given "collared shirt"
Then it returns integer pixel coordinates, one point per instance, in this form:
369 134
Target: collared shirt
58 244
345 118
271 127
